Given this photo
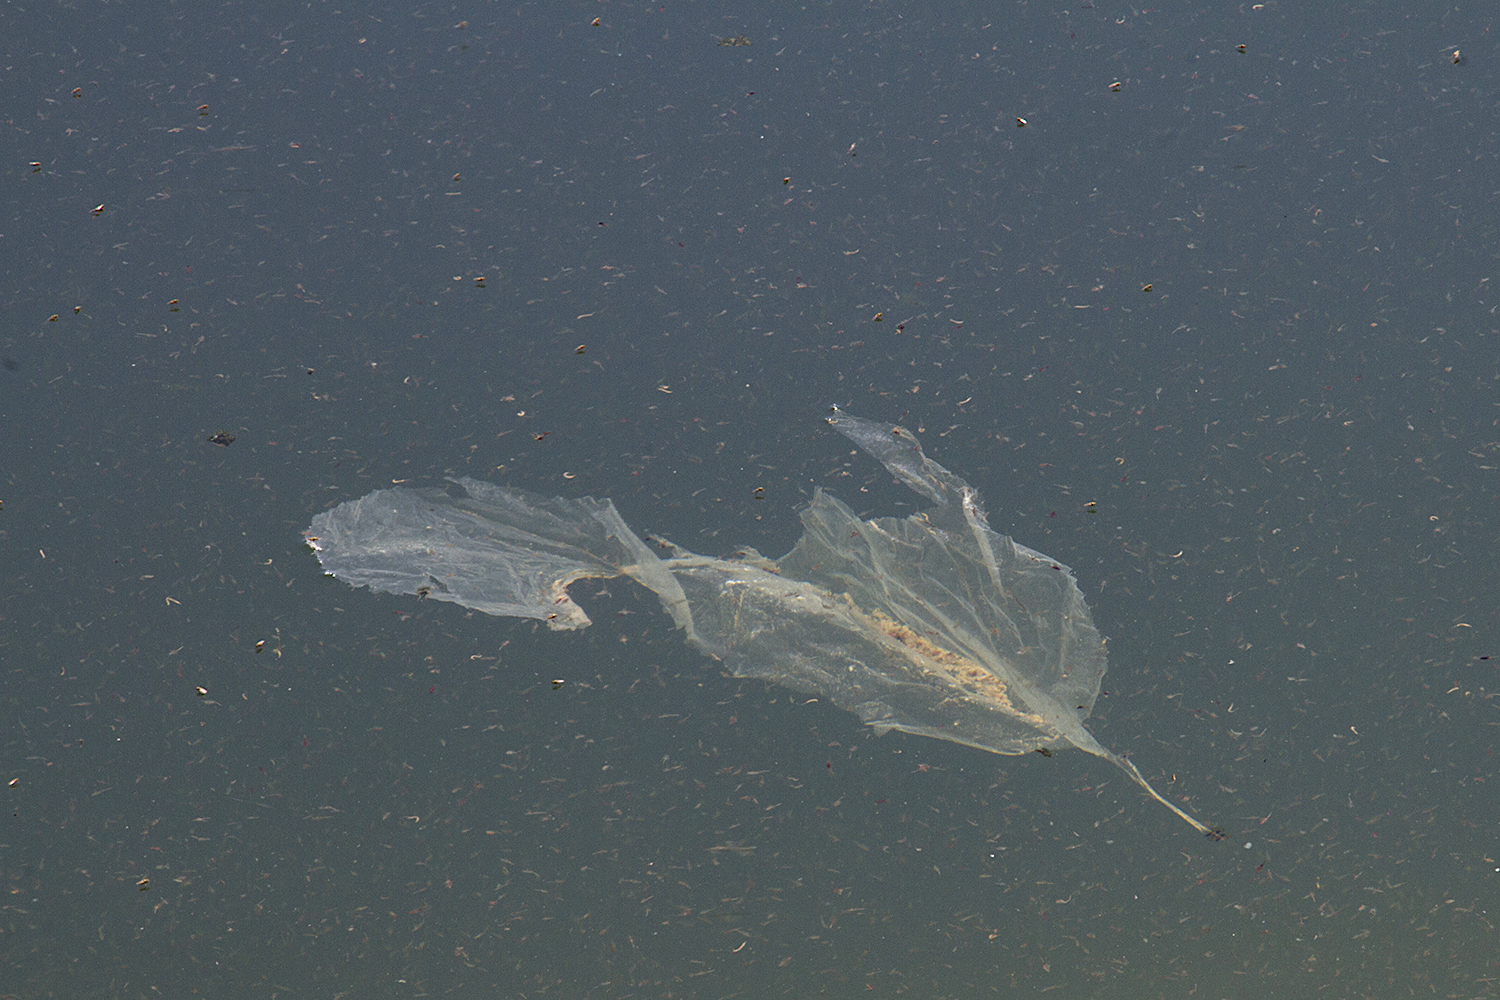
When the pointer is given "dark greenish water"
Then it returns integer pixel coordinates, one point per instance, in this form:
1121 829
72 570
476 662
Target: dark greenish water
1222 339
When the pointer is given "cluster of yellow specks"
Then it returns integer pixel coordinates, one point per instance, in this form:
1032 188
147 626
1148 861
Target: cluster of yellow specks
959 671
